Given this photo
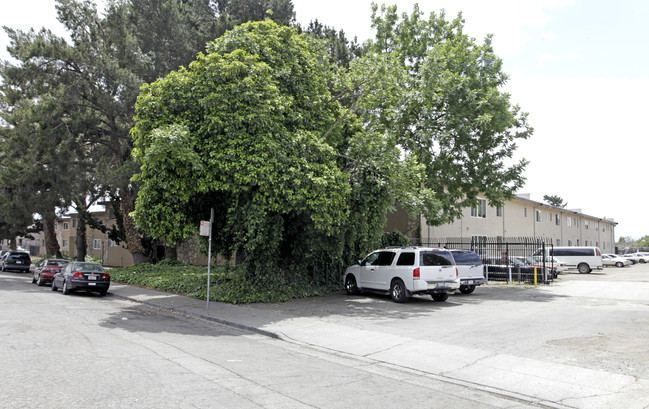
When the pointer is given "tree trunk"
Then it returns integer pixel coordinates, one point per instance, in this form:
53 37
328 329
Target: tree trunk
171 253
133 241
82 247
51 243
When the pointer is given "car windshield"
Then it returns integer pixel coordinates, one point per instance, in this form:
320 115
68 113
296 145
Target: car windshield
466 258
435 258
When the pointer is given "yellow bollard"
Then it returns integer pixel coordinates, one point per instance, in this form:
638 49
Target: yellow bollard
535 276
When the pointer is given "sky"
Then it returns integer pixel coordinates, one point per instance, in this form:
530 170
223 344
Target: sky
580 68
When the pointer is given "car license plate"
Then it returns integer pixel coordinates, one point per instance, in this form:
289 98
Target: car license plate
92 277
92 283
19 262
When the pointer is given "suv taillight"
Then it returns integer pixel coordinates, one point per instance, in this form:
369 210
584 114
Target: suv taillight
415 273
457 272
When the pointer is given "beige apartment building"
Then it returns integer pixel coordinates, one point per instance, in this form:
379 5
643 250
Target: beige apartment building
99 246
519 217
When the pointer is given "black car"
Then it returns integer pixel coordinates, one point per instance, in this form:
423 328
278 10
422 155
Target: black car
80 275
16 260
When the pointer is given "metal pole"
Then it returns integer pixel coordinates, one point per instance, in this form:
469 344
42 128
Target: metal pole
209 258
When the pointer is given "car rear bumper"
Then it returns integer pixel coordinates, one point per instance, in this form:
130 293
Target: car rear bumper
16 267
88 285
473 281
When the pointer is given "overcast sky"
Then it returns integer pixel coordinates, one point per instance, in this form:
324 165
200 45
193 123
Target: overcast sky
579 67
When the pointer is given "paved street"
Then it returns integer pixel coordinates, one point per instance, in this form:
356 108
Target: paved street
581 342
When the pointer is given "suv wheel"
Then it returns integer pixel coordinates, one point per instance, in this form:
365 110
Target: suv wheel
398 290
583 268
467 289
440 297
350 285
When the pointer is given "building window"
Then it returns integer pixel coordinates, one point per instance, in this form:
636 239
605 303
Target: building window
113 243
586 224
596 226
525 211
499 211
539 216
569 242
480 210
557 219
603 227
558 242
65 243
96 244
66 225
569 221
74 223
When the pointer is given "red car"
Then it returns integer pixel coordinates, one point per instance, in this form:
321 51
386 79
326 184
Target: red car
45 270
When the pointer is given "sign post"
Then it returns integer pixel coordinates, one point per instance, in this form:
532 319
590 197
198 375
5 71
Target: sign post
206 230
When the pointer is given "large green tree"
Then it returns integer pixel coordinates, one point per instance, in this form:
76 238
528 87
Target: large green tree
445 105
252 130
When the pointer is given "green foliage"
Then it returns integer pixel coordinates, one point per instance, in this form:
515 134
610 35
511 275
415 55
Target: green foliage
227 284
240 130
554 200
394 238
439 99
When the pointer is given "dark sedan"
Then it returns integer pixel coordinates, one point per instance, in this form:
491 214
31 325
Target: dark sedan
80 275
16 260
46 269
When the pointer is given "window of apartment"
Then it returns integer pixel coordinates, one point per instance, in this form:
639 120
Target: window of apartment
113 243
96 244
569 242
596 226
569 222
499 211
65 243
603 227
480 210
539 216
66 225
548 217
74 223
586 224
558 242
525 211
557 219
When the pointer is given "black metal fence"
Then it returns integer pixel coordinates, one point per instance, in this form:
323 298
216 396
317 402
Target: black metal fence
510 259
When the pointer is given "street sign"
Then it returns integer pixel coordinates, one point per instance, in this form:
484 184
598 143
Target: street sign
205 228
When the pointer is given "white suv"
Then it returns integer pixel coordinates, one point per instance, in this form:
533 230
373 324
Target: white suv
404 271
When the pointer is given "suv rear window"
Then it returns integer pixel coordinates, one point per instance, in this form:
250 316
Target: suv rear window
466 258
435 258
14 257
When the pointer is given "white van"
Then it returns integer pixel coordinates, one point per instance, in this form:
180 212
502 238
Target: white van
584 259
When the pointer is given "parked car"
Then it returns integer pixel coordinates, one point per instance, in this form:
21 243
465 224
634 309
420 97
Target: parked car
615 260
552 263
631 257
16 260
641 257
81 275
404 271
46 269
470 270
504 268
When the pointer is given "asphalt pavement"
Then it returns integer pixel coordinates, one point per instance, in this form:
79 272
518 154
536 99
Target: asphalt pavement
307 322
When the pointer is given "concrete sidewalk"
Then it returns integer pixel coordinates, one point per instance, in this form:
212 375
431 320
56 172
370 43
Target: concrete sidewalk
530 380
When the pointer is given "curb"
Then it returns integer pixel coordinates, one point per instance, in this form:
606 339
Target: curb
223 322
